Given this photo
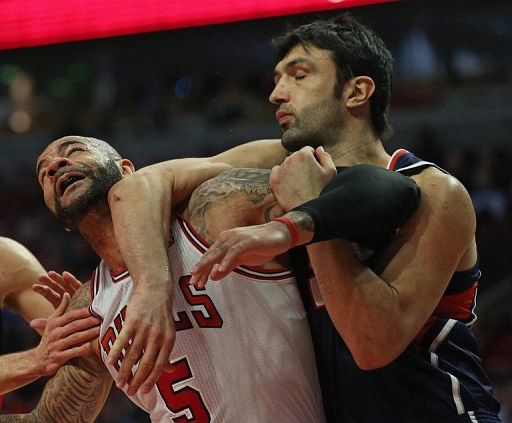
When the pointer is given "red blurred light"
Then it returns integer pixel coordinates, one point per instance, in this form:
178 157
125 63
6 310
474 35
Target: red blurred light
36 22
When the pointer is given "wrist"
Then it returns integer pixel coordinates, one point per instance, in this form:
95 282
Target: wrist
300 226
34 361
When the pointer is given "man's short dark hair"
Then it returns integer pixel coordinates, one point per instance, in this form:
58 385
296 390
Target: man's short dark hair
356 50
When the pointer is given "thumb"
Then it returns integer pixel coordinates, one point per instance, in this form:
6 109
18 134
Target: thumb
38 324
324 158
59 311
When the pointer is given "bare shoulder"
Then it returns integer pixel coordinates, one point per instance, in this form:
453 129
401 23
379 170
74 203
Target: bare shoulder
216 204
445 216
81 298
443 192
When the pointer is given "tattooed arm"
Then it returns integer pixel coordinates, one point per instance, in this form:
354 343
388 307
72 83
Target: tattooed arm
77 392
236 197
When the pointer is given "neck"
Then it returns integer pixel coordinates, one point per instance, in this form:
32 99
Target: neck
97 229
356 146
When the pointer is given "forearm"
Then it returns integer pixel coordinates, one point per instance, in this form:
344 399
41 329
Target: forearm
21 418
72 396
363 204
141 207
365 310
18 369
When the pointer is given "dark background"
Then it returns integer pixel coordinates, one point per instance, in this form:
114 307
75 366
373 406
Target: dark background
199 91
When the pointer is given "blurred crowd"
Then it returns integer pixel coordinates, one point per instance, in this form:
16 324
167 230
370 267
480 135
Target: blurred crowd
200 91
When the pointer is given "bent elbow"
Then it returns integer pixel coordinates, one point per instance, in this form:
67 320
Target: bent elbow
372 358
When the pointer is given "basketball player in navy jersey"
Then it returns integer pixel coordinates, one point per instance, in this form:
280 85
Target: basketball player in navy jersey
391 320
391 328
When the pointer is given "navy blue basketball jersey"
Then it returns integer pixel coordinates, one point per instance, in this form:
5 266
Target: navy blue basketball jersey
437 379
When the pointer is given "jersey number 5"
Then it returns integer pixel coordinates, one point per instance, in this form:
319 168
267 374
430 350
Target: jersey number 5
182 399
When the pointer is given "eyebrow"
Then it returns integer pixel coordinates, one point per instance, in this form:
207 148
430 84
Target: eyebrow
294 62
60 149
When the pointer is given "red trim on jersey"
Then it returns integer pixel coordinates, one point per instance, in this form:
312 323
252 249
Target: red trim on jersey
120 275
91 285
1 401
98 340
395 156
260 273
458 306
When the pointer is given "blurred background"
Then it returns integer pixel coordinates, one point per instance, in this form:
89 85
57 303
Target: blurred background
199 91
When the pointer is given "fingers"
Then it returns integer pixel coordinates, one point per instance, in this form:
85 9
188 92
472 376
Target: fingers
122 342
74 352
38 324
77 338
203 268
162 361
59 311
54 281
147 359
325 159
78 324
151 365
49 294
72 315
72 282
56 284
230 261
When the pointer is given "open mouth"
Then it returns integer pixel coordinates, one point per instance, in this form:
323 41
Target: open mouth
67 181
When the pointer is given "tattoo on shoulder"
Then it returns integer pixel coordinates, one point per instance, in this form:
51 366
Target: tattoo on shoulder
251 184
81 298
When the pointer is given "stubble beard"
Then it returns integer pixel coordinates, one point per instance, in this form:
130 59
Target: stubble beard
317 125
102 179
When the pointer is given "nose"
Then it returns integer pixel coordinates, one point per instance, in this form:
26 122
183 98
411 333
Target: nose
55 164
280 94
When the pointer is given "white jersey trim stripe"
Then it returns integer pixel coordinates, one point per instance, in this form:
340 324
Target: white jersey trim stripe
201 246
119 277
456 394
434 359
442 335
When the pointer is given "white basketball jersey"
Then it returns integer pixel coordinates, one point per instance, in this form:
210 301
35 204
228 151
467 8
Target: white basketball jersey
243 350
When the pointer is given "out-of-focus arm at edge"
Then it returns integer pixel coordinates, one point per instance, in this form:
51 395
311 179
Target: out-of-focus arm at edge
21 269
18 369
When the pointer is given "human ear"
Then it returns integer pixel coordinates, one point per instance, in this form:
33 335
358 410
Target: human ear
360 89
127 167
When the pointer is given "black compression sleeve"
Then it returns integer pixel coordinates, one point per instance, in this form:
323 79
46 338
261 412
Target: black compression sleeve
364 204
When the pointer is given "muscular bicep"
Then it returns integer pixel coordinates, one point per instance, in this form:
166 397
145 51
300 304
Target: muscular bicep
429 249
78 391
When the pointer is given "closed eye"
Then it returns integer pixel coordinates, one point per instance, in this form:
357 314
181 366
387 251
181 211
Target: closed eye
74 150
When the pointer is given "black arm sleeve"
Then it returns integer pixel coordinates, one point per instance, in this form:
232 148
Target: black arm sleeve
364 204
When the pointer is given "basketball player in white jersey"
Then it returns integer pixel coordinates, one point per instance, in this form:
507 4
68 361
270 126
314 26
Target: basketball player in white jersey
243 352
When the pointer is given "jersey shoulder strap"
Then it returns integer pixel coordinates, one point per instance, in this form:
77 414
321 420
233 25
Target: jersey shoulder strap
407 163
